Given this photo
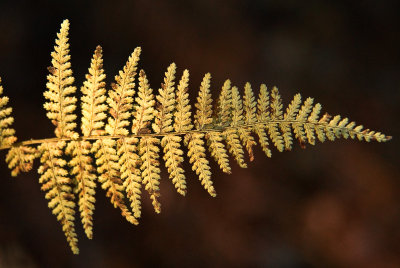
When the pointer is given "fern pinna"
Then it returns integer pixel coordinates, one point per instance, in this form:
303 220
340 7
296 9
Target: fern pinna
128 128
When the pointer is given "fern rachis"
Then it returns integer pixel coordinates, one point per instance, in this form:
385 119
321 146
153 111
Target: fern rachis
124 129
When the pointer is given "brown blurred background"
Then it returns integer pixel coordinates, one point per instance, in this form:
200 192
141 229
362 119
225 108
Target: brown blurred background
332 205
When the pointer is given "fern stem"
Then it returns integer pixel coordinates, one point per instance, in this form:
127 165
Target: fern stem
204 130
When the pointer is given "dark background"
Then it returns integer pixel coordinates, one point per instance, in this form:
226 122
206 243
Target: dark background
332 205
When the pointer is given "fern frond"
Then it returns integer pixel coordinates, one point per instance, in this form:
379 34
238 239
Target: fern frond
20 159
166 102
120 97
94 96
126 142
276 114
234 146
197 158
7 134
61 104
298 128
144 109
289 116
84 173
250 105
263 115
250 109
130 172
58 189
149 154
225 104
182 121
313 119
203 106
218 151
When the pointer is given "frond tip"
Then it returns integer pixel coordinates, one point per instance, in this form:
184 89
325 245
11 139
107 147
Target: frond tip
126 127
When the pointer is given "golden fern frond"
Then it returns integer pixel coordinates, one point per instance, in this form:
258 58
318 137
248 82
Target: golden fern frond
225 104
250 109
120 97
263 115
302 115
289 116
238 119
183 122
149 154
20 159
58 189
7 134
94 96
276 115
130 172
84 173
125 143
197 158
61 105
313 119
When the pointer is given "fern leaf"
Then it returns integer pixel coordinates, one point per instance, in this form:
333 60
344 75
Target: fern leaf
225 104
149 154
298 128
289 116
7 134
276 114
93 96
234 146
109 170
83 170
239 120
218 151
128 157
130 173
166 102
20 159
310 128
55 182
197 158
263 115
61 104
120 97
182 114
203 106
250 105
144 109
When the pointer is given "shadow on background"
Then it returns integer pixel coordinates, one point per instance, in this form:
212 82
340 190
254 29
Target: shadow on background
333 205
